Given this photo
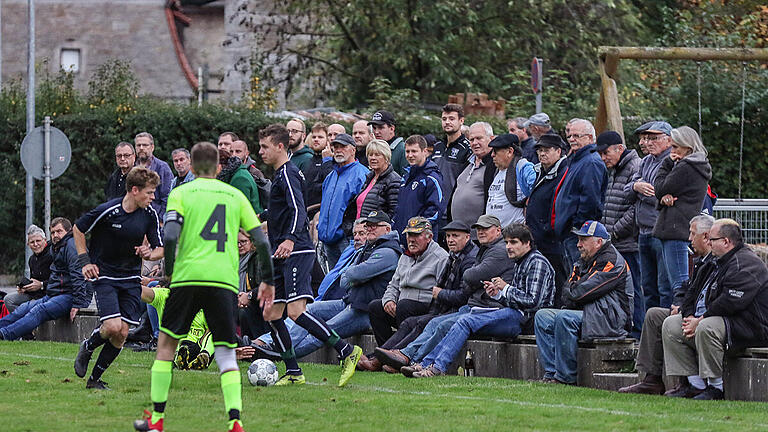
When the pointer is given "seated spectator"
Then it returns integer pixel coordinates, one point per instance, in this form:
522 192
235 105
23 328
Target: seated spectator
125 156
680 186
470 196
39 270
650 356
530 288
65 293
538 213
511 183
381 186
330 287
420 193
730 312
491 262
339 188
598 304
409 293
233 172
195 350
363 281
448 296
182 164
251 320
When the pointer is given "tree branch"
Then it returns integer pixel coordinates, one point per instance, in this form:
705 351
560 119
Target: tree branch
323 61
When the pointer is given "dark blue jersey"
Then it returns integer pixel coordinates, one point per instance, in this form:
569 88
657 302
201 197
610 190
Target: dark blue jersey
115 234
286 215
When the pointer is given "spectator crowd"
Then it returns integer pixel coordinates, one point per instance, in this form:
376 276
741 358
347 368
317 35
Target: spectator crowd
427 242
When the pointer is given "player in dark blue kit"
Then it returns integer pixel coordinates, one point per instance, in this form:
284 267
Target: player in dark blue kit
118 229
293 257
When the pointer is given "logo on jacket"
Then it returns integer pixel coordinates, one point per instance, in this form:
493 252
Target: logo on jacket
454 152
414 185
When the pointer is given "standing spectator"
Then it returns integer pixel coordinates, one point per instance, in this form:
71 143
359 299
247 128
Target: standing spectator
383 123
730 313
656 286
527 142
225 141
300 153
125 156
471 195
39 270
362 135
511 183
334 130
240 150
145 147
381 186
597 305
341 185
451 157
65 293
420 193
619 215
581 194
182 164
235 173
538 125
316 169
538 214
680 186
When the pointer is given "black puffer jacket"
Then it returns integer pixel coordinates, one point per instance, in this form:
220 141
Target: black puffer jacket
619 213
687 181
40 269
382 196
454 295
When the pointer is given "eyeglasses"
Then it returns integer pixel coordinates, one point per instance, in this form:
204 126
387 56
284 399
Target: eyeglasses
243 242
651 137
714 239
123 156
577 136
295 131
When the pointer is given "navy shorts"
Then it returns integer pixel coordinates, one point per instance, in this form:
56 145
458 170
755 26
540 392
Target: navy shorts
119 299
293 277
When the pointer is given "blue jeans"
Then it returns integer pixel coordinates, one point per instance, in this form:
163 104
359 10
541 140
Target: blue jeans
656 286
557 338
638 313
339 316
571 253
33 313
500 323
433 333
675 253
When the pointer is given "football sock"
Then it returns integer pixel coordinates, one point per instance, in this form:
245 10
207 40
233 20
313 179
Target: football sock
716 382
282 340
95 340
319 329
107 355
697 382
160 383
231 388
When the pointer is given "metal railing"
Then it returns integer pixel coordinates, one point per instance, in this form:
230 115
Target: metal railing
752 214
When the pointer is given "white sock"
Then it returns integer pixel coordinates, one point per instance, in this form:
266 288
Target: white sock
697 382
716 382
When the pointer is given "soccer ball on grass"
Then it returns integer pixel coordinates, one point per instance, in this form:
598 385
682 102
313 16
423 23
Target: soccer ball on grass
262 372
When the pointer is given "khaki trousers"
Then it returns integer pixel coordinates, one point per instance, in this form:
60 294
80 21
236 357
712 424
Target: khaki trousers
650 356
701 355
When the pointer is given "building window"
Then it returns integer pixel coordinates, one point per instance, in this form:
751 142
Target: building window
70 59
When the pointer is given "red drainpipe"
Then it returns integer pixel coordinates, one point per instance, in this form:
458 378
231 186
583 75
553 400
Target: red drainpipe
171 15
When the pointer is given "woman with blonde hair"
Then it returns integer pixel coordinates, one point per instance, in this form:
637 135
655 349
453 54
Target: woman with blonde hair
381 185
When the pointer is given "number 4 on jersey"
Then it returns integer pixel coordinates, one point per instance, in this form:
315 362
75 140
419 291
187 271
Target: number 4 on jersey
218 219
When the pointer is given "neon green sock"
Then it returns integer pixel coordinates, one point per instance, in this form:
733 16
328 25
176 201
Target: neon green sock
159 385
232 390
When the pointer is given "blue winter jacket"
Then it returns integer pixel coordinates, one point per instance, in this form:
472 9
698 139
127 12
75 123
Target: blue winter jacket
581 194
341 185
420 195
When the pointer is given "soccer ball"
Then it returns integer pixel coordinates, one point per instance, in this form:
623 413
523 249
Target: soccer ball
262 372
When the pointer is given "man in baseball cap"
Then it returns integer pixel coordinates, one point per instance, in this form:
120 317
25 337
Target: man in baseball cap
538 125
383 124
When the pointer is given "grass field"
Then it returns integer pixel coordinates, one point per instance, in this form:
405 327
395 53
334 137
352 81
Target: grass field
40 392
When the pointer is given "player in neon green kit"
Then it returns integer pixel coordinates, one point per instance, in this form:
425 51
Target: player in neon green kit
203 218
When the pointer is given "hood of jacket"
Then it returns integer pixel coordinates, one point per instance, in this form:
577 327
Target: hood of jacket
699 163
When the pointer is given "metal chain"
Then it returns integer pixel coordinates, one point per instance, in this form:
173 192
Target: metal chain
698 86
741 136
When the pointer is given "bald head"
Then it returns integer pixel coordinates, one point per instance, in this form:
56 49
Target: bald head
361 133
334 130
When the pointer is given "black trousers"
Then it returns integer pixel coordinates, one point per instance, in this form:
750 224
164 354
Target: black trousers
382 322
409 330
561 275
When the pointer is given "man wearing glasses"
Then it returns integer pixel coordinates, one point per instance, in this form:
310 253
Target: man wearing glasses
300 154
125 157
655 138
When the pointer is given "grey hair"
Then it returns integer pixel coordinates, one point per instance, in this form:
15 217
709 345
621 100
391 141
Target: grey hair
359 221
146 135
519 121
487 128
703 223
125 144
35 230
589 128
685 136
181 150
379 146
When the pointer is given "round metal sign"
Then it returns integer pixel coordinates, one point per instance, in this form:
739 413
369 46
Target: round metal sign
535 75
33 152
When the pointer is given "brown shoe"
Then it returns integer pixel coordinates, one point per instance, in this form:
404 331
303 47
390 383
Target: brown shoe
651 384
389 369
410 370
371 364
393 358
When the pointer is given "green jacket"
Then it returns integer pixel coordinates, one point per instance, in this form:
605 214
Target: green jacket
243 181
302 157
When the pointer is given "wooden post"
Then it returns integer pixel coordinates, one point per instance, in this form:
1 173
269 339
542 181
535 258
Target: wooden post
609 111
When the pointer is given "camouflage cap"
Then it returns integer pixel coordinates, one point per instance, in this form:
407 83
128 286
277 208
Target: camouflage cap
417 225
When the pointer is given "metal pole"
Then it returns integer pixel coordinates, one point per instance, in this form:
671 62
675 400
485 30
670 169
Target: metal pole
47 176
1 43
199 87
30 122
541 87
